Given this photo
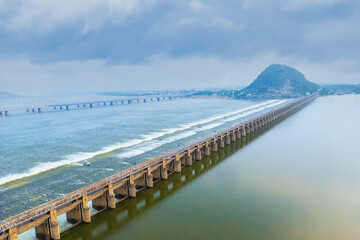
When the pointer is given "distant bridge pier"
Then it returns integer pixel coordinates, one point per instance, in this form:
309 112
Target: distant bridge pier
60 107
158 99
39 110
137 100
33 110
129 101
91 105
84 105
144 99
67 107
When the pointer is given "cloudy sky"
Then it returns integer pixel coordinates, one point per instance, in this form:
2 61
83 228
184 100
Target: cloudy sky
49 46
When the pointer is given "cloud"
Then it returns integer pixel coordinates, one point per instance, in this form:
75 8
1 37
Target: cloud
207 16
198 6
44 15
303 4
62 40
291 5
343 30
160 73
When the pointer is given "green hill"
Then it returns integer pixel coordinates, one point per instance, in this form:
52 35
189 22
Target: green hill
279 81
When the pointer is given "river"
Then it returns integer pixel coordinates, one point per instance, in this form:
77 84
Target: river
296 179
45 155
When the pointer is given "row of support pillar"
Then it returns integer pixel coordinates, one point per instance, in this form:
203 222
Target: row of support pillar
91 105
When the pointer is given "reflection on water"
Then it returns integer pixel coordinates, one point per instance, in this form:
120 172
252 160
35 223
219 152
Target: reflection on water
109 222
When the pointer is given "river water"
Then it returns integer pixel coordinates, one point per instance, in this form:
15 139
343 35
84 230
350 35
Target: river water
296 179
45 155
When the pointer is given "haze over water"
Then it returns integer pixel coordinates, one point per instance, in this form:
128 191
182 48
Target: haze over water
298 179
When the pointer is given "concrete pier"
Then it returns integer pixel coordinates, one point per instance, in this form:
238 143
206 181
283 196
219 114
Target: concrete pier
233 136
86 215
188 159
108 192
222 142
215 146
207 150
228 140
149 179
198 154
132 187
177 163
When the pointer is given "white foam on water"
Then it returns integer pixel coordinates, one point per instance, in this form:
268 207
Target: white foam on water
212 125
241 115
154 145
82 156
221 116
70 159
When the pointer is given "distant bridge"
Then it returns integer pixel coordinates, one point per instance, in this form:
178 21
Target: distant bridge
88 104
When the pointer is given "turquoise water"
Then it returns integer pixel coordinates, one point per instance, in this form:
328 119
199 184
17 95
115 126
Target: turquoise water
42 155
297 179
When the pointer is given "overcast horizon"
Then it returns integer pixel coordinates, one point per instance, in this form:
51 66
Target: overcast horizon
120 45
